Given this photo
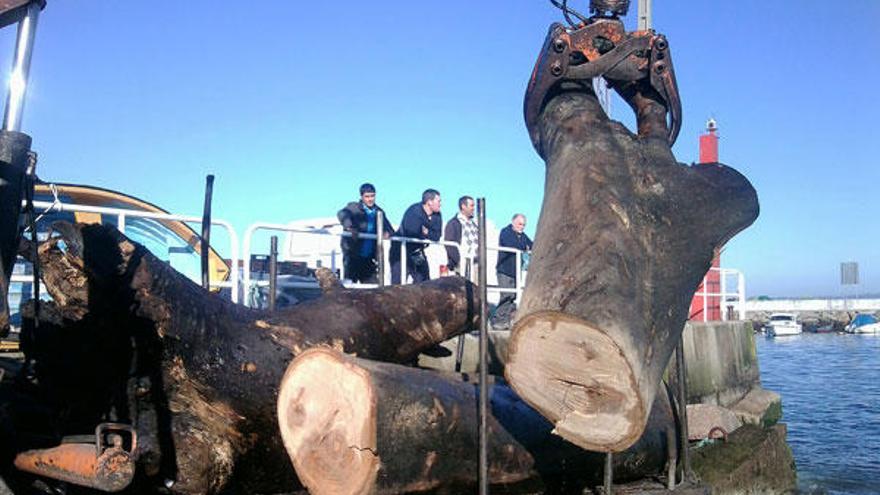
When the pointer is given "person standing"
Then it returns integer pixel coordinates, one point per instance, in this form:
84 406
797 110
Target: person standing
512 236
359 217
420 221
462 229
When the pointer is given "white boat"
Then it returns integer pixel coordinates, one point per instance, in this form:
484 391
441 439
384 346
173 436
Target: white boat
863 323
781 324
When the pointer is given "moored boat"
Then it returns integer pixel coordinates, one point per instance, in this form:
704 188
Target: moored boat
782 324
863 323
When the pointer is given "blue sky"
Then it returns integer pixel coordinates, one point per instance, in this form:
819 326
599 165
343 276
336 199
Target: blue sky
293 104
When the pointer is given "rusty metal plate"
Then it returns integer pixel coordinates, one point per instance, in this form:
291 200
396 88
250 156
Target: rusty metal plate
11 11
7 5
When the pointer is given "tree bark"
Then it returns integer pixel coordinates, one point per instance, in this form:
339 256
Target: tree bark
624 238
207 370
353 426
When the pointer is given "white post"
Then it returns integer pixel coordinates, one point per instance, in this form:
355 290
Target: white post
645 20
403 262
120 223
741 283
516 275
233 262
333 265
723 297
705 300
645 15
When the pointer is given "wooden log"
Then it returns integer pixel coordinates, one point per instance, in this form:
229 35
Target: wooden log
207 370
624 238
355 426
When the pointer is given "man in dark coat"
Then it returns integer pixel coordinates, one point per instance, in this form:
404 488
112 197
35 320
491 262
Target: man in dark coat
512 236
421 221
463 230
359 217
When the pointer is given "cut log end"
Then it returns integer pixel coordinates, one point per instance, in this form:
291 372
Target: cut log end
326 412
577 377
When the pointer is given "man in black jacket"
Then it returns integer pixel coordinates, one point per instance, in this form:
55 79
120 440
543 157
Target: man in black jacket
359 255
462 229
511 236
421 221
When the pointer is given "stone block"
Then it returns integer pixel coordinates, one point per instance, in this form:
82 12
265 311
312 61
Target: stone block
702 418
754 460
722 361
759 407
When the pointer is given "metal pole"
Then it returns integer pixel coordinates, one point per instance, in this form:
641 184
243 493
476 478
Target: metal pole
273 271
32 224
516 277
609 473
459 348
21 67
682 407
670 459
484 353
380 248
206 231
645 15
459 353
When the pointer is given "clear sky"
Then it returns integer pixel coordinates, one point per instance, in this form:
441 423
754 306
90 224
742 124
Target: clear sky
293 104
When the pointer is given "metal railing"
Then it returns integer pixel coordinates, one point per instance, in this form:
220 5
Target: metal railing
123 213
724 296
243 283
382 244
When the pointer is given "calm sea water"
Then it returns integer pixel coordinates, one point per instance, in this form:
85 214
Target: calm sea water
830 387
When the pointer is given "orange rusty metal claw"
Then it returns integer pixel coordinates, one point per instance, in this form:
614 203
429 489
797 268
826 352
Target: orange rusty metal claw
603 47
109 468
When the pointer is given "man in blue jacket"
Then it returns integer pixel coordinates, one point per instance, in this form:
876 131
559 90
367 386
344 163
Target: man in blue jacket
358 217
421 221
512 236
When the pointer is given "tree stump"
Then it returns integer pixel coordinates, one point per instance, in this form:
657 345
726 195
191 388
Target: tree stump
354 426
202 393
624 238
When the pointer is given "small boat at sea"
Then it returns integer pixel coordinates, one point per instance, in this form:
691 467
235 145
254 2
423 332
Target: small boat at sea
782 324
863 323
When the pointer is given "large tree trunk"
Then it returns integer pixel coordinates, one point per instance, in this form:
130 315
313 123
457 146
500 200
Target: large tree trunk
353 426
624 237
206 370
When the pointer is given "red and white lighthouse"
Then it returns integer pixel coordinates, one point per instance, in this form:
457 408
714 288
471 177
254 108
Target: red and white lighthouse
706 304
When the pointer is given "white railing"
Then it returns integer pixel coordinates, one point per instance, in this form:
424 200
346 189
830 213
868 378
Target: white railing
122 213
816 305
381 244
238 286
725 296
